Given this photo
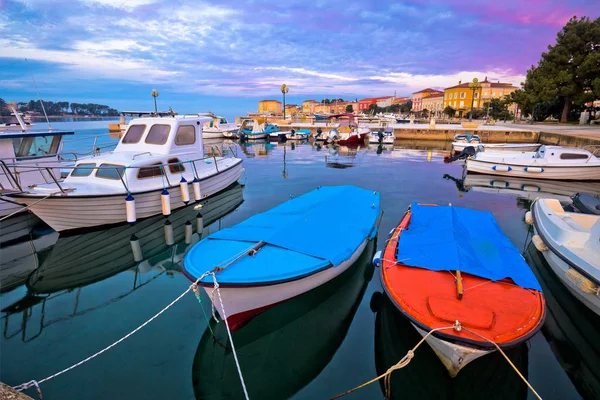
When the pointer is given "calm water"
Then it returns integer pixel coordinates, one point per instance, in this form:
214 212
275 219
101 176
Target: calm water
78 293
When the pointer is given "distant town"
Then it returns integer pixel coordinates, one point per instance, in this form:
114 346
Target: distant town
485 99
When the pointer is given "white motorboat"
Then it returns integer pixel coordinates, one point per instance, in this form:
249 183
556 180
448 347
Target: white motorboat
300 134
153 166
27 158
467 138
217 127
256 128
570 243
387 138
549 162
512 147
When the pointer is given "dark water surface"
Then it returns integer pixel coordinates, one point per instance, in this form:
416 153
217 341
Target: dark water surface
77 293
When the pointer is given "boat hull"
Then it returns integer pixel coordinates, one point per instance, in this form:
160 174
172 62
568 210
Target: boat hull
453 356
64 213
243 303
212 134
566 173
520 147
353 139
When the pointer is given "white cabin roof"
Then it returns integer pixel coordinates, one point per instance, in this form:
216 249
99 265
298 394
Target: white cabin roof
165 130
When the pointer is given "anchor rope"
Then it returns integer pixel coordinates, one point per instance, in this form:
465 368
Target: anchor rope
36 383
387 375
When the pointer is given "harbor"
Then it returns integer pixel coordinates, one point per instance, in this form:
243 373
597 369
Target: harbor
82 290
198 202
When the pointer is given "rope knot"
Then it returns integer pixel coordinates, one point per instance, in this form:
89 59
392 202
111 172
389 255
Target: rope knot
457 326
195 289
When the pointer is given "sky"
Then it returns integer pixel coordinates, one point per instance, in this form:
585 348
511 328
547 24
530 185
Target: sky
224 56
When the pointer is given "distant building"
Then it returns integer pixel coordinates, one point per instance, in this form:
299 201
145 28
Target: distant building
401 100
308 106
292 109
434 104
417 98
364 104
459 97
270 106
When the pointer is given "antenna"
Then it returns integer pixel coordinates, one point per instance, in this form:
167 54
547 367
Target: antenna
39 97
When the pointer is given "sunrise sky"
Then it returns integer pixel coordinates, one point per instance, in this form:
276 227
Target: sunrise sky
226 55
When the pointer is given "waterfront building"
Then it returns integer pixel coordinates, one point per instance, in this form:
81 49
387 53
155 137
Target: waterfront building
308 107
292 109
434 104
270 106
364 104
459 97
401 100
417 98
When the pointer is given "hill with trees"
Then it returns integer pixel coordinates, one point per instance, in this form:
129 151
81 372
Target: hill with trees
60 108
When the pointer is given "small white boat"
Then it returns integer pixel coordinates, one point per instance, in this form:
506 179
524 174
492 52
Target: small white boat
27 158
153 165
549 162
279 254
256 128
570 243
467 138
217 127
300 134
387 138
512 147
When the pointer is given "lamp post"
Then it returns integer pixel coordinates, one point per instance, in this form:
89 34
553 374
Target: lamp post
474 86
155 95
284 90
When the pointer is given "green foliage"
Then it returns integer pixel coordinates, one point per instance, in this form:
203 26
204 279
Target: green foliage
568 70
330 101
349 108
406 107
425 113
449 111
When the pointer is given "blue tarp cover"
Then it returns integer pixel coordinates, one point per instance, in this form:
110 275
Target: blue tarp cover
304 234
452 238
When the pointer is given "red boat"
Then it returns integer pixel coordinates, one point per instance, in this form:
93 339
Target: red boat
346 131
497 301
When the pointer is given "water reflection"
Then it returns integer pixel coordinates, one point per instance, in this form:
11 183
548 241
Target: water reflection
571 329
523 188
341 157
284 348
150 247
489 377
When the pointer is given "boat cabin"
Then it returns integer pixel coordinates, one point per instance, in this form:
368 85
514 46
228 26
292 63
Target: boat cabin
558 154
159 147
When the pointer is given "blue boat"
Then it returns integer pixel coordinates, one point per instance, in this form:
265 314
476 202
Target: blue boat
286 251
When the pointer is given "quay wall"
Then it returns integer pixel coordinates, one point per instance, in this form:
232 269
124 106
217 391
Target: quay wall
446 134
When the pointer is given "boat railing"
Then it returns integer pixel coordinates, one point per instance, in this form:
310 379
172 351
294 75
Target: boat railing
13 181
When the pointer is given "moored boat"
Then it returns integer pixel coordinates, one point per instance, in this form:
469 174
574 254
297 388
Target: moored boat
294 134
217 127
570 243
381 137
511 147
453 269
256 128
549 162
286 251
474 140
148 173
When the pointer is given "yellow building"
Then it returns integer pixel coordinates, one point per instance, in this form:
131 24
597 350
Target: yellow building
434 104
270 106
308 106
460 96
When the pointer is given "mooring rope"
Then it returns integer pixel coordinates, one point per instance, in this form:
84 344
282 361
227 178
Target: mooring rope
387 375
36 383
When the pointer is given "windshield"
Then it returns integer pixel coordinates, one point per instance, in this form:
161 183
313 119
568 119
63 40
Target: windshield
134 134
38 146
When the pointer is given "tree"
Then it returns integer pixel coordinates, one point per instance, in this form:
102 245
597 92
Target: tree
406 107
3 108
569 69
349 108
425 113
449 111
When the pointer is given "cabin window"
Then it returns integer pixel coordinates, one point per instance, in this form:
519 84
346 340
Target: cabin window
36 146
573 156
186 134
223 121
110 171
134 134
158 134
174 166
84 169
151 171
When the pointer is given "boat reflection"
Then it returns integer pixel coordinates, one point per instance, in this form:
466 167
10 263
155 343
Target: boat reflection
523 188
571 329
489 377
256 148
284 348
154 246
341 157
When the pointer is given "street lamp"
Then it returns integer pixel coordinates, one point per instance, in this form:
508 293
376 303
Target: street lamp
155 95
284 90
474 86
